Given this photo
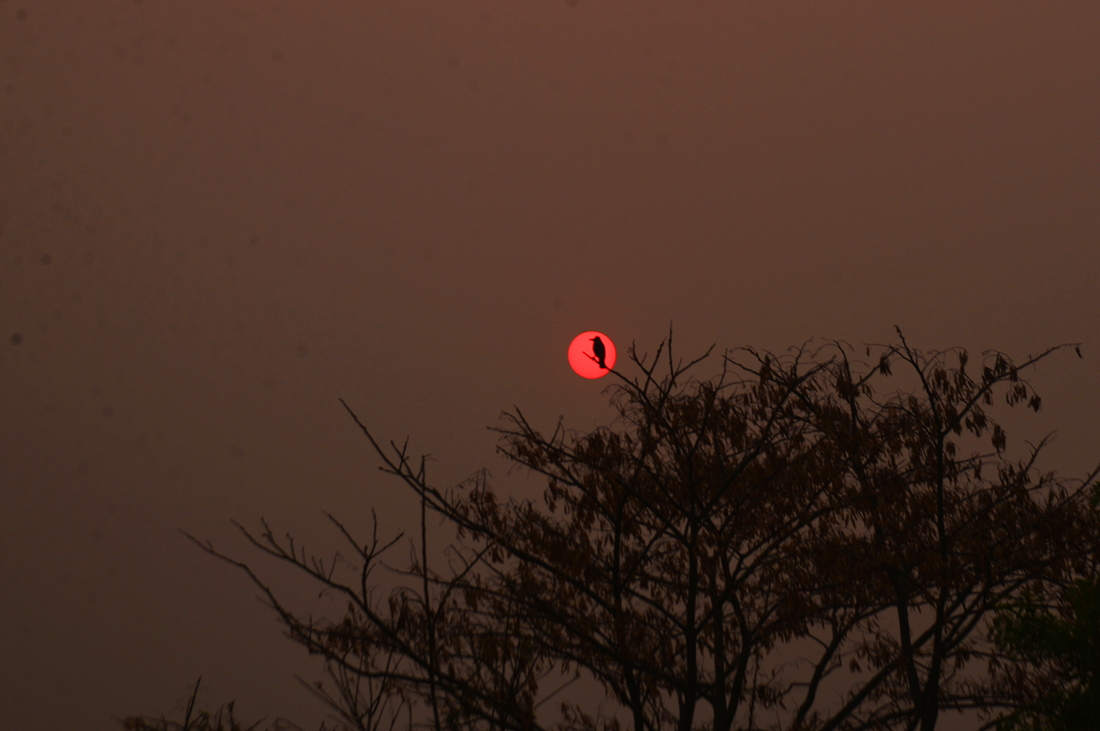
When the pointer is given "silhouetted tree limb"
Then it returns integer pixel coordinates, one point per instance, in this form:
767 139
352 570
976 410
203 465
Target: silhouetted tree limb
788 507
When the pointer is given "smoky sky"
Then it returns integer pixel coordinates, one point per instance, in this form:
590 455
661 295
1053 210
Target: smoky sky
219 217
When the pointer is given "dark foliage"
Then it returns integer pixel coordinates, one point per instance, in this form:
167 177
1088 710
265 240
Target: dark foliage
790 544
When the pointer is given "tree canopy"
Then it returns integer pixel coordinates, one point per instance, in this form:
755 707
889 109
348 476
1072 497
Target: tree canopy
818 540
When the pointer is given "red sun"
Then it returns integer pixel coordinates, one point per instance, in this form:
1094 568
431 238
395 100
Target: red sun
584 354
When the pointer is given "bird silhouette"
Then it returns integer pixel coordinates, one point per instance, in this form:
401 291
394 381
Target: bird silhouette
600 351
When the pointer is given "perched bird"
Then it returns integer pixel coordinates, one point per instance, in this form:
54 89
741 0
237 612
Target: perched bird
600 351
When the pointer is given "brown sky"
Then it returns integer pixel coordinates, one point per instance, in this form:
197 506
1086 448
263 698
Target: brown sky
218 216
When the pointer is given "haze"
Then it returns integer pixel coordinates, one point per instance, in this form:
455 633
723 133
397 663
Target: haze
219 216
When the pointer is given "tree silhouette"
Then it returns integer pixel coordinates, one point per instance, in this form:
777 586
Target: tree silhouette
1052 656
223 719
780 546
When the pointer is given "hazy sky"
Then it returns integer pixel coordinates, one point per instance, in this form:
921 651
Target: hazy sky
219 216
